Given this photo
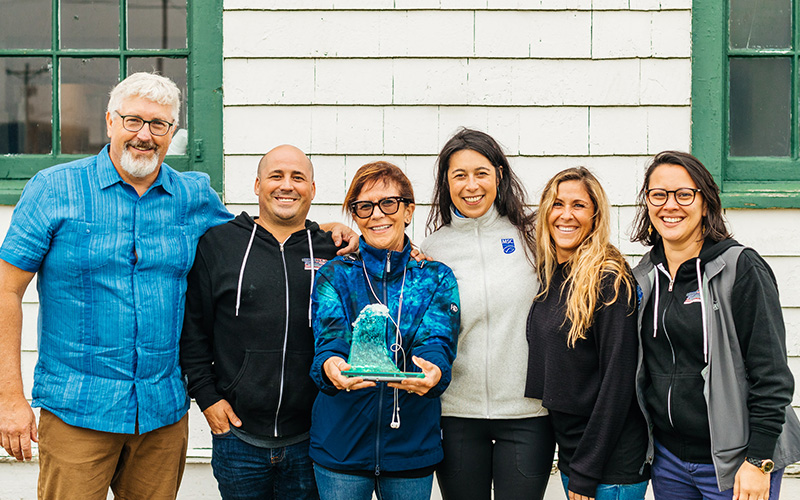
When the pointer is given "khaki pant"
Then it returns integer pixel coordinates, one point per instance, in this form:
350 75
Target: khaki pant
77 463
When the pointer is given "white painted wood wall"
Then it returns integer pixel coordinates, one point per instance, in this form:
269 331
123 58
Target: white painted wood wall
559 83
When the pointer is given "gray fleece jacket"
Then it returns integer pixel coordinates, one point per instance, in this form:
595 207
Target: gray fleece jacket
497 285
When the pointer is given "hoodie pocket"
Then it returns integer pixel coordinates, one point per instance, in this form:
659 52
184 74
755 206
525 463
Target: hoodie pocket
255 390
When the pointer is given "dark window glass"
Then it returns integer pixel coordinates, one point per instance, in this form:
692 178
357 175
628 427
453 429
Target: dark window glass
89 24
25 105
760 106
85 84
25 25
157 24
760 24
174 69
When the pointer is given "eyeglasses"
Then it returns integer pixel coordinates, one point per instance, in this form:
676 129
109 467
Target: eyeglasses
133 123
389 206
683 196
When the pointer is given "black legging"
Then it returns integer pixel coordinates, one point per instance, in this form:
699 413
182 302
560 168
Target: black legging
517 454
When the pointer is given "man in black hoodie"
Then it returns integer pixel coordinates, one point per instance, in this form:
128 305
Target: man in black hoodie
247 344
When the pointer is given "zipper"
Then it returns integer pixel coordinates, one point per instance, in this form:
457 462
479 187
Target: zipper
669 340
285 339
486 316
378 430
382 385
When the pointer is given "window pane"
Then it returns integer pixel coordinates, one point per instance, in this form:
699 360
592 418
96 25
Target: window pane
85 84
25 105
760 106
157 24
757 24
90 24
25 25
175 70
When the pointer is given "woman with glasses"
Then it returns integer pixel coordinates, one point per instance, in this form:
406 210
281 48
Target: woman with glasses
370 435
493 437
713 376
583 347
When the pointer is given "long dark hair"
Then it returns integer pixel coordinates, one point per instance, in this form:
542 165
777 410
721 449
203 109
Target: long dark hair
713 223
511 195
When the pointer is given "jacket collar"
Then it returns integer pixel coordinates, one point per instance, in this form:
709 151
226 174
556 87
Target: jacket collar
487 219
107 174
381 262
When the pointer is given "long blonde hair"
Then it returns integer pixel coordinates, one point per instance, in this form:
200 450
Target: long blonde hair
594 259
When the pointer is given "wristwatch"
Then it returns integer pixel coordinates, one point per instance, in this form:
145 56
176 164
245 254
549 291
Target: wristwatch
764 466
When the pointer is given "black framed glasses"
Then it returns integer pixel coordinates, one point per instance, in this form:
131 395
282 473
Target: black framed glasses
389 206
683 196
133 123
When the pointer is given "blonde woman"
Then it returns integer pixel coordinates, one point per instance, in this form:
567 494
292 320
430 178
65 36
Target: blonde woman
583 343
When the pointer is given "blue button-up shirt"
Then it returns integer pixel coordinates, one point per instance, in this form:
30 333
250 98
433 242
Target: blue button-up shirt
112 276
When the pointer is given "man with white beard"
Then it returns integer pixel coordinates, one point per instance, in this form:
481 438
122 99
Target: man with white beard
112 237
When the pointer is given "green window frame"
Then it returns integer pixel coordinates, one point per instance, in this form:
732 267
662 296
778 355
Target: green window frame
746 182
204 88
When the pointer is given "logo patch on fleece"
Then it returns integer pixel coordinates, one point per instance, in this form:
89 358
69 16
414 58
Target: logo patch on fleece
453 308
692 297
508 245
317 263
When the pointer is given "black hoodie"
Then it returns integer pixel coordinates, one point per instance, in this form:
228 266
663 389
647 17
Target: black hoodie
237 343
675 359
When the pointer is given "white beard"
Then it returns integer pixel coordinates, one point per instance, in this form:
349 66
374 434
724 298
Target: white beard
138 167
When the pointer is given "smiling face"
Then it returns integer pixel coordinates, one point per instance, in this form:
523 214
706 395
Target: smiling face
138 154
285 188
381 230
473 182
679 226
571 219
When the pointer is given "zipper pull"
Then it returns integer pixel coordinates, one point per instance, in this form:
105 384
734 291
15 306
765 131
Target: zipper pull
388 261
671 282
377 469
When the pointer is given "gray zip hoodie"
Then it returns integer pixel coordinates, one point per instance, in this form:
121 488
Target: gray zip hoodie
726 387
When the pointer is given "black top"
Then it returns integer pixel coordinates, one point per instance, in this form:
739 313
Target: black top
258 360
674 359
589 389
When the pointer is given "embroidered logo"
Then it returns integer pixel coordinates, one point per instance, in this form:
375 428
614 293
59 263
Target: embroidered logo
692 297
317 263
508 245
453 308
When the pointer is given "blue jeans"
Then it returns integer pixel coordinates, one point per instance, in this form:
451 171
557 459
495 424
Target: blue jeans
338 486
674 478
247 472
633 491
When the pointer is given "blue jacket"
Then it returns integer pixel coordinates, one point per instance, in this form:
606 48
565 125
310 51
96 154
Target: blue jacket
351 430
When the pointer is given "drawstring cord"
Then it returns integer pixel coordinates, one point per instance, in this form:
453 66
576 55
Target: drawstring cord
241 271
311 294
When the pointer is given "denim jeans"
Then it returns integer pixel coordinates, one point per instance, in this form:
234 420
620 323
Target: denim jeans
633 491
675 478
338 486
247 472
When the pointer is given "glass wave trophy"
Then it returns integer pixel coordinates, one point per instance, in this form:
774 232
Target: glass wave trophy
369 357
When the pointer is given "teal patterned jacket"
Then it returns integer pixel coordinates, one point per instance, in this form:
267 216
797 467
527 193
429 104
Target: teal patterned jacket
351 430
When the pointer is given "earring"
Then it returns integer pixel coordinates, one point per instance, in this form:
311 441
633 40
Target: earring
649 230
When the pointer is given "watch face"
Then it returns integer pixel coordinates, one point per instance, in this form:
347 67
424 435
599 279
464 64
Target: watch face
767 466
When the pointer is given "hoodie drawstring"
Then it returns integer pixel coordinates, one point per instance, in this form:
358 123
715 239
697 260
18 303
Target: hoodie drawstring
311 255
702 310
241 271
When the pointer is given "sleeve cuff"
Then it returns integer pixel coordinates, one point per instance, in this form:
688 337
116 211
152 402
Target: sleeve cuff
582 485
206 396
761 445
